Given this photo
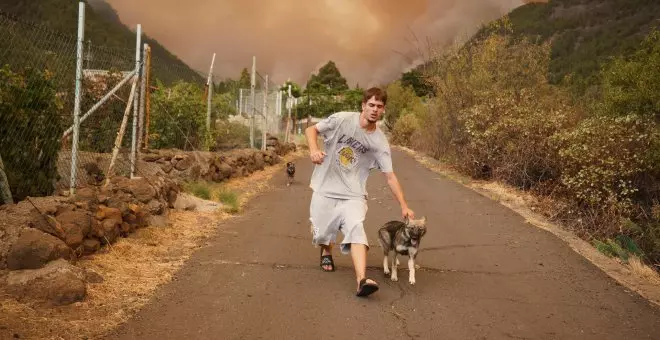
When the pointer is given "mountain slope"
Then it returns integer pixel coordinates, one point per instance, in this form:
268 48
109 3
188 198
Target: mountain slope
585 33
109 39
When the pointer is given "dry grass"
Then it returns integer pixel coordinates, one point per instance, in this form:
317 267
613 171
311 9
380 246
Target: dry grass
133 268
635 275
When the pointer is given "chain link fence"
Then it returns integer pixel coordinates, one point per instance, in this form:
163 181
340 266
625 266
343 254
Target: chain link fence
37 69
74 112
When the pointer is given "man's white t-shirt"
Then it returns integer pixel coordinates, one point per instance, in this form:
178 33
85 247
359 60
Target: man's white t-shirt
351 153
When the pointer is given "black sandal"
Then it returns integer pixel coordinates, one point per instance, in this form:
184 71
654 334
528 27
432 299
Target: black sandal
366 288
326 260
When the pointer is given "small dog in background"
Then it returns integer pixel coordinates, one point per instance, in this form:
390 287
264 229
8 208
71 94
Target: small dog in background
402 238
290 172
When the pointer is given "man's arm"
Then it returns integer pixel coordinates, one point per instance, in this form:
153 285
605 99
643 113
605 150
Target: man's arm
395 187
312 134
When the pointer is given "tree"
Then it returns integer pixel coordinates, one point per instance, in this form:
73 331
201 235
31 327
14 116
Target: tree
415 79
296 91
328 81
245 80
401 100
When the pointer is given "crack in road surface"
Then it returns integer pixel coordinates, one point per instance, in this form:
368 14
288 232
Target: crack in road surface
399 316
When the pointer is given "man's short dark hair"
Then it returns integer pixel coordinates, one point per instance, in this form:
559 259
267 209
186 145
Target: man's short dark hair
377 93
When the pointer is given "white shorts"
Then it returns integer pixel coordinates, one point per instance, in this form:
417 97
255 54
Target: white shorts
330 215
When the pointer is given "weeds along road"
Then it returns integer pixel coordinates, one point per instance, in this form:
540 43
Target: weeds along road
485 274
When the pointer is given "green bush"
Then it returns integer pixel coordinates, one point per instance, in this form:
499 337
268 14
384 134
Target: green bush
508 136
30 131
405 130
232 135
602 158
99 131
178 118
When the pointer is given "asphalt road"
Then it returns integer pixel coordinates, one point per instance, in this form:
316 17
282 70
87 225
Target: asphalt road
485 274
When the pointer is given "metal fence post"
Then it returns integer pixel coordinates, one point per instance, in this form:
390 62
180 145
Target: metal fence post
136 99
289 104
143 90
252 100
265 114
147 102
240 102
78 93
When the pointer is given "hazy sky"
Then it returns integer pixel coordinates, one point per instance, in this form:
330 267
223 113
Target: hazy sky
371 41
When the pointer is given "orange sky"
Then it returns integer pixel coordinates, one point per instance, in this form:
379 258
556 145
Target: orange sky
372 41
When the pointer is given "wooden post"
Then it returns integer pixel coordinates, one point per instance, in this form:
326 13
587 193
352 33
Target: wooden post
122 129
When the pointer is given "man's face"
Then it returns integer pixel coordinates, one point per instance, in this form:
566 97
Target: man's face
373 109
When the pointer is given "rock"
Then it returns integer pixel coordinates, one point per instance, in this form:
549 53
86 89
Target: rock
91 246
195 172
142 218
76 225
166 154
171 197
184 163
47 224
151 157
86 194
155 207
92 276
126 229
259 163
46 205
108 213
111 228
34 248
158 221
58 283
185 202
120 200
167 167
225 170
141 189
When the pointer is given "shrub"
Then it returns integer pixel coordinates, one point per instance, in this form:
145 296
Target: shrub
30 131
231 135
602 158
404 129
178 118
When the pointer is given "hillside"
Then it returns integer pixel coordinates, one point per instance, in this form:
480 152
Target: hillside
585 33
112 42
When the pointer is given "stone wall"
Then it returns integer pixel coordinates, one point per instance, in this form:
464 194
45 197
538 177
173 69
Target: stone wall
39 237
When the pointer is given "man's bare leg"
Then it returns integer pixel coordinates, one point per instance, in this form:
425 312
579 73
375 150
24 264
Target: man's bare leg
327 250
359 255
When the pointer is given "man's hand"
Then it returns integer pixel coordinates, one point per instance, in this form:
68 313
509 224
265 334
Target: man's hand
406 212
317 156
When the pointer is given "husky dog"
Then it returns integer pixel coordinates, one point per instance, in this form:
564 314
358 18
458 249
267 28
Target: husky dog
290 172
403 239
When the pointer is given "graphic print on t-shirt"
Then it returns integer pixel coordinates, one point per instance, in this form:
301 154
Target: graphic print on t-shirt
348 151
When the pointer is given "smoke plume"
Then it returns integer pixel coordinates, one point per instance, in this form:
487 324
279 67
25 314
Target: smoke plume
371 41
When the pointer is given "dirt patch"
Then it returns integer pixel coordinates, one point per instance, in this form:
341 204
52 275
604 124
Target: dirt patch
635 275
127 273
